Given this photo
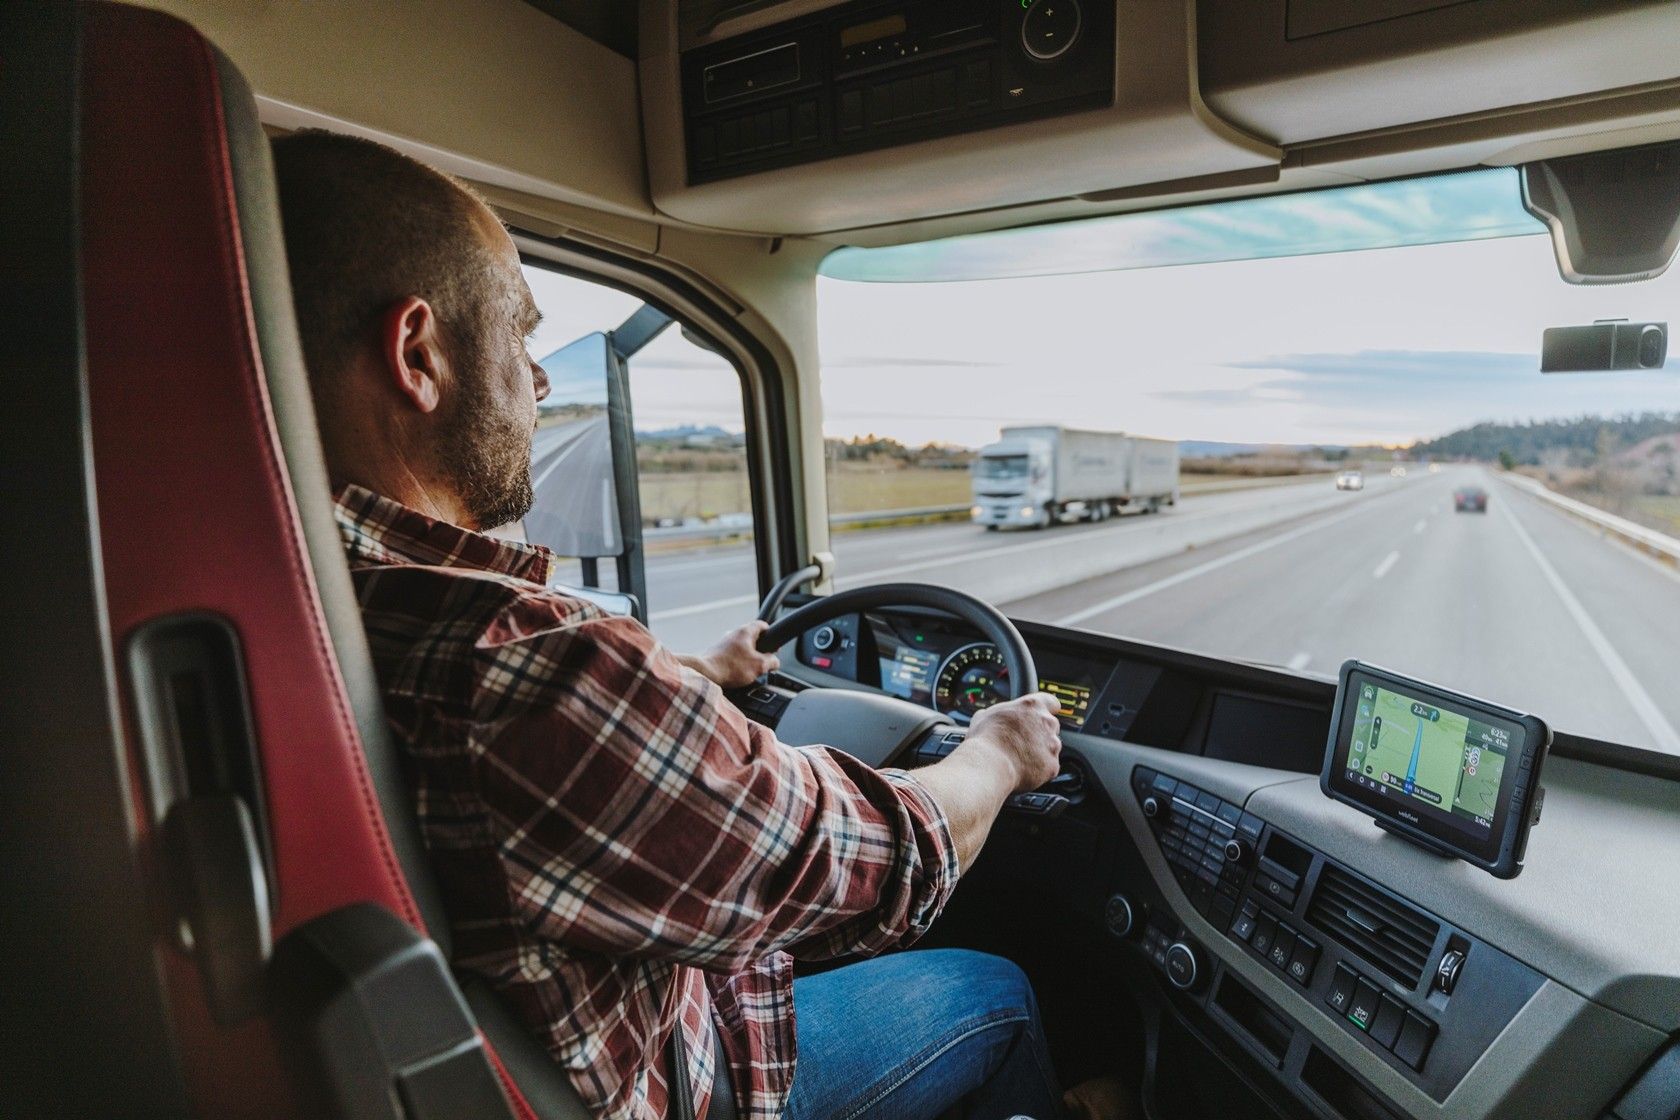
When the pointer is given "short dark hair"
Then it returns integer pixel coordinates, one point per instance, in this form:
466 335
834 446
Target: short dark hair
366 226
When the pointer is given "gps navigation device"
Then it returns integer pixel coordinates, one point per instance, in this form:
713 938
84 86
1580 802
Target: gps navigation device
1457 775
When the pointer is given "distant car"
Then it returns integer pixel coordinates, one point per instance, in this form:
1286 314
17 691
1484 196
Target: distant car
1350 480
1397 472
1470 499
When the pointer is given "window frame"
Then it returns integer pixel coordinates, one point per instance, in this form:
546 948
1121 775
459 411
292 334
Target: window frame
777 539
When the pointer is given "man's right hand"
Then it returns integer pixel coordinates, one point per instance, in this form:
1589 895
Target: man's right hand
1026 733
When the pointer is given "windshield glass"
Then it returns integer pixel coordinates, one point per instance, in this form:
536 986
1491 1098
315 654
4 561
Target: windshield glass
1513 534
1001 468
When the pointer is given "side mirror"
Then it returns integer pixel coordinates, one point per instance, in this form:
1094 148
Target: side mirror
575 509
583 470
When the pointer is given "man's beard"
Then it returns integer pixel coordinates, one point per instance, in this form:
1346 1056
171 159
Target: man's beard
486 457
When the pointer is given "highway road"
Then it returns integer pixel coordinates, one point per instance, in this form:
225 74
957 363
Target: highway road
1522 605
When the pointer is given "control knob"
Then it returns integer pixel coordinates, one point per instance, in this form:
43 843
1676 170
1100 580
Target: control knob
1446 973
824 638
1235 851
1117 915
1182 965
1151 807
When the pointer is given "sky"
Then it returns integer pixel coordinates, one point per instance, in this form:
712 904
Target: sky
1385 345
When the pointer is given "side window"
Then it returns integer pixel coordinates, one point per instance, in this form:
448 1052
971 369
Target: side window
692 509
697 514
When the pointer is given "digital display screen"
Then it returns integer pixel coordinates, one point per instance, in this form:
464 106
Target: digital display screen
1448 762
1074 698
909 674
1453 773
873 30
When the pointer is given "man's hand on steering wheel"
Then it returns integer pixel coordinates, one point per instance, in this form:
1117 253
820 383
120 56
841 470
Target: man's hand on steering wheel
1026 732
735 661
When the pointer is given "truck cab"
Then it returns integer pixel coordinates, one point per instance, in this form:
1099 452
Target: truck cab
827 286
1013 483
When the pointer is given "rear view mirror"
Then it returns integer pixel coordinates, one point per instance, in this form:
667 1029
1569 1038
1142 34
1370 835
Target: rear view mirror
1606 345
1614 216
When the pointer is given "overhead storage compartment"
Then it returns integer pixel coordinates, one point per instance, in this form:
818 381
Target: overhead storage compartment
1301 71
799 117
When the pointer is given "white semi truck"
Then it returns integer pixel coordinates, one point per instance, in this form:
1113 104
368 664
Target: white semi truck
1038 476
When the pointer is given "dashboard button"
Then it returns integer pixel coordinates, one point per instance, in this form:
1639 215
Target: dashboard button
1274 890
1415 1036
1302 961
1282 874
1165 785
1341 988
1265 929
1250 826
1362 1008
1283 947
1207 802
1385 1028
1243 928
1229 813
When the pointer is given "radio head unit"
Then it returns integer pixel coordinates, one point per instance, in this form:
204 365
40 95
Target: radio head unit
1457 775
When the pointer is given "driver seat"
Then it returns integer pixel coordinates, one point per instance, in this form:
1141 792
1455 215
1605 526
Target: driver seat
288 851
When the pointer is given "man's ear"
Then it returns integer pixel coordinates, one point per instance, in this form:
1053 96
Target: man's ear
411 347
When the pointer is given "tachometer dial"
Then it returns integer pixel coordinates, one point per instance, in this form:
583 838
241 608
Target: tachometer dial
972 678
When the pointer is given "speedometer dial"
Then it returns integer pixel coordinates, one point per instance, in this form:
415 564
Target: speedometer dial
972 678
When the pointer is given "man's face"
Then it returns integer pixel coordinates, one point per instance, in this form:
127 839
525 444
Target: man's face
486 422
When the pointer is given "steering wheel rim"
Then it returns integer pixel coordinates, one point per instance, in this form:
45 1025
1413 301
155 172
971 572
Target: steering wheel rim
1017 658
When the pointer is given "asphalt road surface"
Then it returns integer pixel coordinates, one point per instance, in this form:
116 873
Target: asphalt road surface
1522 605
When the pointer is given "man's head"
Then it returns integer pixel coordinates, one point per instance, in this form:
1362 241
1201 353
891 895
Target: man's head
413 314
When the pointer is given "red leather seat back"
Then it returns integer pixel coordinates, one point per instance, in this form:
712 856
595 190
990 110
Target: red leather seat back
211 492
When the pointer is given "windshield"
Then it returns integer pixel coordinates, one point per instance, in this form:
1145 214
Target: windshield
1512 534
1001 468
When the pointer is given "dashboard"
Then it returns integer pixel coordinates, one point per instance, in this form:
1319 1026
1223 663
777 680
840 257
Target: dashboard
1344 971
935 662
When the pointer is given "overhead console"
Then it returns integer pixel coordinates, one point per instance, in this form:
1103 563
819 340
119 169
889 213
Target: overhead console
802 116
869 75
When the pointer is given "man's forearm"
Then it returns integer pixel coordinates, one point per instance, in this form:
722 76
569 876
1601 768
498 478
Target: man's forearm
970 785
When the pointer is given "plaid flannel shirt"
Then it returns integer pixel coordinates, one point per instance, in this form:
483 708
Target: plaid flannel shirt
621 851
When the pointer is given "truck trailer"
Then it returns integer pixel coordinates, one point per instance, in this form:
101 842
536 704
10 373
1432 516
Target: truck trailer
1044 475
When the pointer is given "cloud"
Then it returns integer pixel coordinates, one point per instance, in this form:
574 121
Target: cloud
1363 366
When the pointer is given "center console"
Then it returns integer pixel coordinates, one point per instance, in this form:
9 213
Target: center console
1425 997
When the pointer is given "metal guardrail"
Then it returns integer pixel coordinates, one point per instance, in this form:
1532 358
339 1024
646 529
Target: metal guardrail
1661 545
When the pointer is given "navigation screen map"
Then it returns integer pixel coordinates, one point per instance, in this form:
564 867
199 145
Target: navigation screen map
1447 761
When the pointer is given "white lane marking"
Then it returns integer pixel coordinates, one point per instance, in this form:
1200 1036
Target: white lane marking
609 514
1300 660
1666 739
1422 524
1199 570
1388 562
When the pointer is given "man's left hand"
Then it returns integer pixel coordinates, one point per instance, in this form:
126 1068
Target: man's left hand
735 661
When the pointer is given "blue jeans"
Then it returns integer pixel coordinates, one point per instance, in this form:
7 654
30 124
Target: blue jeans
908 1036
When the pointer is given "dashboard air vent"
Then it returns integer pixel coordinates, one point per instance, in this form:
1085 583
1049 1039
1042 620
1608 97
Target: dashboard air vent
1388 933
